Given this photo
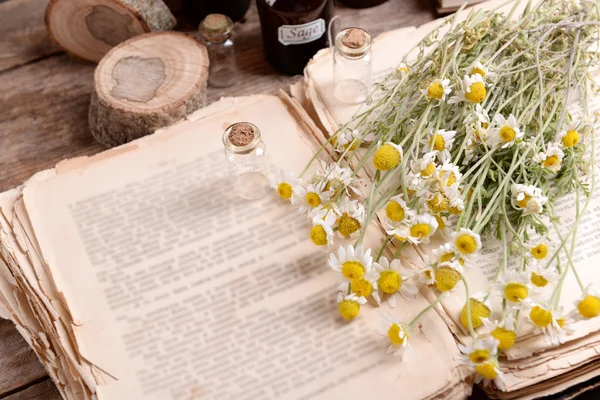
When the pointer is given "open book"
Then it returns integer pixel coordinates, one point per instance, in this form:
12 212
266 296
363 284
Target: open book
137 274
533 367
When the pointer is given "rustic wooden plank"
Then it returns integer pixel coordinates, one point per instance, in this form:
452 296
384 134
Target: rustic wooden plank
44 390
23 36
18 363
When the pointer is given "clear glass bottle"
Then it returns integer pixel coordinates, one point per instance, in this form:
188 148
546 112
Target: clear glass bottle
217 31
248 164
352 66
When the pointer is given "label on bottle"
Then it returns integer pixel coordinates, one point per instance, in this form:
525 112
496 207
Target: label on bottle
299 34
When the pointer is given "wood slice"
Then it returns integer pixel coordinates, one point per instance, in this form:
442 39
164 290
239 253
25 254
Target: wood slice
146 83
88 29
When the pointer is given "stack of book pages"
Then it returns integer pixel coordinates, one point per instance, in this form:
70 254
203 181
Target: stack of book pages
137 274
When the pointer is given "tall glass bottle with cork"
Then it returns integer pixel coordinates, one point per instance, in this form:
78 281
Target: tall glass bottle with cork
293 31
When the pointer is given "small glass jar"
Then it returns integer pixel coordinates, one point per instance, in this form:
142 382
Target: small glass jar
248 164
217 31
352 66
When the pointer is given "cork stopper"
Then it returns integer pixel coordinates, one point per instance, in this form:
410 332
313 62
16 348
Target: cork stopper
354 38
241 134
216 27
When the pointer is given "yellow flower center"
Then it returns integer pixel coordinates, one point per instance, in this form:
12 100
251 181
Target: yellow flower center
523 202
428 170
540 317
437 142
394 211
389 281
420 230
451 179
349 309
318 235
386 157
479 356
446 278
394 334
561 322
284 190
455 210
428 274
353 270
540 251
361 287
478 71
348 225
440 221
466 243
589 307
487 370
505 337
403 69
435 91
449 256
476 93
551 161
439 203
538 280
516 292
570 139
478 311
313 199
507 134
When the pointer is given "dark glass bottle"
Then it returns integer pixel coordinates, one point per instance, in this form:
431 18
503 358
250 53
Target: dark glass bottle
196 10
293 31
362 3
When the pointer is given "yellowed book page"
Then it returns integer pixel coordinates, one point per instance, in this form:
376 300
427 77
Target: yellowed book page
181 290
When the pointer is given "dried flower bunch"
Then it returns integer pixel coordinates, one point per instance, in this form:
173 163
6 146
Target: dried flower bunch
475 139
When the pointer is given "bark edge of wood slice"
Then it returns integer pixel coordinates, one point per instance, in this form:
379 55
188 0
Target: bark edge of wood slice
146 83
88 29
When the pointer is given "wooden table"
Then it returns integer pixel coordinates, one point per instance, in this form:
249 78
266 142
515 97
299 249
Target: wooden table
44 98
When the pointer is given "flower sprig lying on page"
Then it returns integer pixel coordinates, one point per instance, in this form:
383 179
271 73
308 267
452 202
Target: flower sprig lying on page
472 142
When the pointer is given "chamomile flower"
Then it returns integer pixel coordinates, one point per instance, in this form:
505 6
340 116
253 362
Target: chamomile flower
346 139
321 234
472 90
528 198
551 159
349 305
399 231
514 286
426 276
363 287
441 141
477 124
569 137
449 174
426 164
447 252
387 156
402 70
335 177
540 275
548 321
478 352
466 241
447 275
506 132
327 212
310 197
396 333
503 331
285 185
393 278
477 68
488 372
540 251
352 263
396 210
588 305
421 227
352 215
481 309
437 90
